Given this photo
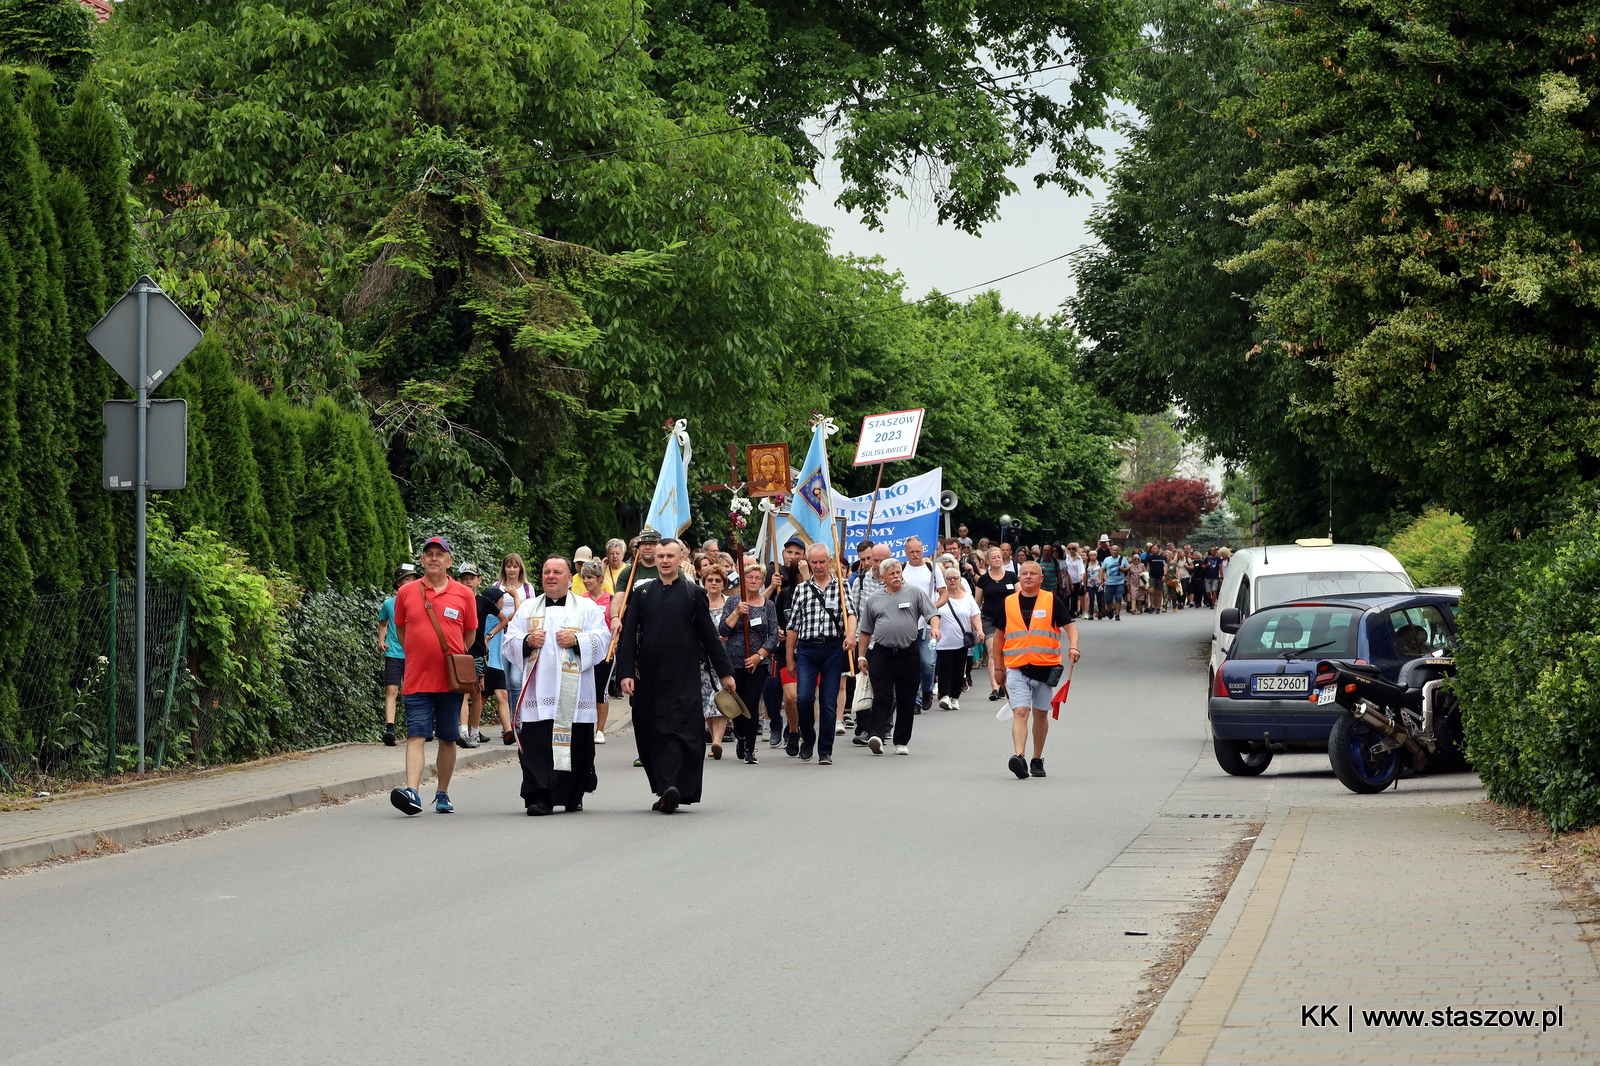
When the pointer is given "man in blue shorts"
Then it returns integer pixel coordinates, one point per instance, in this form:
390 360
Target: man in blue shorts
431 708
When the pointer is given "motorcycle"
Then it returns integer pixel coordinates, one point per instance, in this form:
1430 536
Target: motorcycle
1389 730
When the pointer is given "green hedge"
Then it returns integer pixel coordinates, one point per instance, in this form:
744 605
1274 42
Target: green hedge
1530 668
334 668
1434 548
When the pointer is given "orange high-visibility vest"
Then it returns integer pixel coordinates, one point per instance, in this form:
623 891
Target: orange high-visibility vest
1036 642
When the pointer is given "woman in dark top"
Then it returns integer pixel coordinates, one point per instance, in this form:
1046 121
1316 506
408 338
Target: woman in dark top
994 585
751 649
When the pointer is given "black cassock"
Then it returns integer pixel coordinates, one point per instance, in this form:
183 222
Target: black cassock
666 633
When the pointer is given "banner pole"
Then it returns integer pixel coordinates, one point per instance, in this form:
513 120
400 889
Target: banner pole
838 557
873 510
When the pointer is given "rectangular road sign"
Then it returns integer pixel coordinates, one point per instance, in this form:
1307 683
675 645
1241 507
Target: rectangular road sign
888 438
168 443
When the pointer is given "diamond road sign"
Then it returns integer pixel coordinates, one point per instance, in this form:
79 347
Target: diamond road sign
171 335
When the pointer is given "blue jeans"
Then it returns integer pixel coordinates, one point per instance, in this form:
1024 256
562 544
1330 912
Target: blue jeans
818 667
772 696
929 657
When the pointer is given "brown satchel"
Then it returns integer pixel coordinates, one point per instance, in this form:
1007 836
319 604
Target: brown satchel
460 671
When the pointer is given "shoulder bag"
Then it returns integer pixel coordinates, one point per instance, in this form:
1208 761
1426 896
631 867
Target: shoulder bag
969 639
460 671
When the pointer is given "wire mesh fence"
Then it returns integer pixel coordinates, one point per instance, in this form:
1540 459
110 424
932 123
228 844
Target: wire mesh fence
75 684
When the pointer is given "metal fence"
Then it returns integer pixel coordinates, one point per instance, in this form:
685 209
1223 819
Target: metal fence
74 684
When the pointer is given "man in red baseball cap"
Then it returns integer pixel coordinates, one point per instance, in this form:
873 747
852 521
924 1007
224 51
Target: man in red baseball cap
431 708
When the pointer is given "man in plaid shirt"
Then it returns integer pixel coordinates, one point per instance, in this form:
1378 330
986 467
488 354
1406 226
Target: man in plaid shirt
821 631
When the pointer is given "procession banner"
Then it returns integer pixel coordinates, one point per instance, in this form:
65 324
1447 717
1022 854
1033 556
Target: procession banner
814 490
669 505
906 509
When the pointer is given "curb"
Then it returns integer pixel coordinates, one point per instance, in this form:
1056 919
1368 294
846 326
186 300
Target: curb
138 830
1163 1025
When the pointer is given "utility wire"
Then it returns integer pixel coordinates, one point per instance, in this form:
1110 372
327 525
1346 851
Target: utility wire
721 131
902 305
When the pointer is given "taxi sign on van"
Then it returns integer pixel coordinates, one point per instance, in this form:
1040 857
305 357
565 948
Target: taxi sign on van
890 437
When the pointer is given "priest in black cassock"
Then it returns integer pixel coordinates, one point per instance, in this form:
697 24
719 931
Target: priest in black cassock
666 633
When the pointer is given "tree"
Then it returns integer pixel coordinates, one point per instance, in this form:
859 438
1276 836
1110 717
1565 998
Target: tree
1011 427
54 34
1426 211
551 100
1168 508
1169 328
907 91
1153 452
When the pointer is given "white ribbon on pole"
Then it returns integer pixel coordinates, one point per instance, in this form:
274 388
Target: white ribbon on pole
680 429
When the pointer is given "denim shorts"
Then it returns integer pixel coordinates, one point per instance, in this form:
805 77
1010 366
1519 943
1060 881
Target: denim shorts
1023 691
428 713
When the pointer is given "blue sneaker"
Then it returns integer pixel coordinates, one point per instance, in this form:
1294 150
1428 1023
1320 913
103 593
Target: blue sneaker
406 800
442 804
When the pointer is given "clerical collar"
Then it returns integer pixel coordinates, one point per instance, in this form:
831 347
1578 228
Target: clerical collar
558 601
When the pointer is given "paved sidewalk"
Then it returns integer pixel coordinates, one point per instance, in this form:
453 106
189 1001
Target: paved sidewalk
77 824
1421 910
1402 901
1407 900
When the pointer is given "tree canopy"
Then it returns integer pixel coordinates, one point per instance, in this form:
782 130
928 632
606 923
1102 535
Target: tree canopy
910 96
1426 210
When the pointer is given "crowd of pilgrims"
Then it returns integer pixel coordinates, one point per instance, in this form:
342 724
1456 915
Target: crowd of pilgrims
714 623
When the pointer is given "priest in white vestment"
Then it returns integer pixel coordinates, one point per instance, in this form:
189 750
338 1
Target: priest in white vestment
554 641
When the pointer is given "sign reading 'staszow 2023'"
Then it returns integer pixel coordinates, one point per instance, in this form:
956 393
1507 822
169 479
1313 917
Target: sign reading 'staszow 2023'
889 438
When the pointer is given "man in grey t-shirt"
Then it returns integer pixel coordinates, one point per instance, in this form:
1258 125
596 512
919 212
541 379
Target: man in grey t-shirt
888 628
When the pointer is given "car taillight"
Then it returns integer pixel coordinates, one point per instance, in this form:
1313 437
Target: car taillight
1219 687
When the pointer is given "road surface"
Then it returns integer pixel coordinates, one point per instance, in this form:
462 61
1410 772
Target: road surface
802 914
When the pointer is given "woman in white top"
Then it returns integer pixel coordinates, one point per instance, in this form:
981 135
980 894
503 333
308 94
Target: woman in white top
515 588
959 616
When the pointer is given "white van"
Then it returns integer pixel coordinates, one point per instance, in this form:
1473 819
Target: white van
1279 573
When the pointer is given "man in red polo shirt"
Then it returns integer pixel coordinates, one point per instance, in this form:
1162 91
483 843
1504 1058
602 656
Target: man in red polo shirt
431 708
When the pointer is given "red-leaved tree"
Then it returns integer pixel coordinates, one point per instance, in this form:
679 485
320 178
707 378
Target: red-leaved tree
1168 508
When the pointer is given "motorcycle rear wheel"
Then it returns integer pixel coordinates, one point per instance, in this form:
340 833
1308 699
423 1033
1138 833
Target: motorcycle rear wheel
1236 758
1359 761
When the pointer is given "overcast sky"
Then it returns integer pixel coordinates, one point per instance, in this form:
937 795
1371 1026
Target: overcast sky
1034 225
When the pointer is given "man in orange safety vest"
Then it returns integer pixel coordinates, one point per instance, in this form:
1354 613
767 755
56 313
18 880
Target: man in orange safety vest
1035 622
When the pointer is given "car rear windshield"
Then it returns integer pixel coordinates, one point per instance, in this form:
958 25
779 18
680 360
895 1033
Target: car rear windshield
1283 588
1298 633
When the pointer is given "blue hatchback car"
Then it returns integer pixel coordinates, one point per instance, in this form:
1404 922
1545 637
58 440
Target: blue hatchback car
1260 700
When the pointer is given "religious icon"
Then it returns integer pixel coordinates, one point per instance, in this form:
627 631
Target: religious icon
768 466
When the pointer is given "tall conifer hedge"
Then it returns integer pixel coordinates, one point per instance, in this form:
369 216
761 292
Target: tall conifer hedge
306 489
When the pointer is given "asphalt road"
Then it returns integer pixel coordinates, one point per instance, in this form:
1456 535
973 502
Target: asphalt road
802 914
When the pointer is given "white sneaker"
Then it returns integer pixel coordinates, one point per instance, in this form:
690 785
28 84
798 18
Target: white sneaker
466 732
838 730
876 745
901 749
599 737
955 704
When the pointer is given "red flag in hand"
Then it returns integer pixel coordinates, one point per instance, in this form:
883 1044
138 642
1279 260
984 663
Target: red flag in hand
1061 694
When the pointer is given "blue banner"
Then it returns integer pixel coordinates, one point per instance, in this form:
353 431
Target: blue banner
906 509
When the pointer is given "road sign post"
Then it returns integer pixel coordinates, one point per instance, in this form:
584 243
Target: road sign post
144 337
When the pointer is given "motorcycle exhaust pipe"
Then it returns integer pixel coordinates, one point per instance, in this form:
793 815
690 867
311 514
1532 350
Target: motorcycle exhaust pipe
1367 714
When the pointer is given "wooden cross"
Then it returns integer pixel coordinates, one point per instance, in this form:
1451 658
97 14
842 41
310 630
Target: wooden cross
734 484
